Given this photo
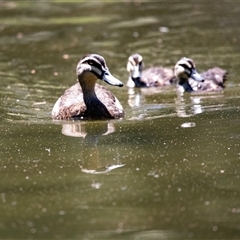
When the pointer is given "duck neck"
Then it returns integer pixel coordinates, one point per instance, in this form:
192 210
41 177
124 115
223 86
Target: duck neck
138 82
184 85
95 108
87 81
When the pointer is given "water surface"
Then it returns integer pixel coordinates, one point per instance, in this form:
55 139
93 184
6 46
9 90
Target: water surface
169 169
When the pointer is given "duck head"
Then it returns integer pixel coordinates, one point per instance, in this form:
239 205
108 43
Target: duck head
135 67
183 70
94 67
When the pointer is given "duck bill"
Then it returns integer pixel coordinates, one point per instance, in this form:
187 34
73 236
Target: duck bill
196 76
110 79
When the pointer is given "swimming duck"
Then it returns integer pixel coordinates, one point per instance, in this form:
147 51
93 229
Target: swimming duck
151 77
87 99
188 79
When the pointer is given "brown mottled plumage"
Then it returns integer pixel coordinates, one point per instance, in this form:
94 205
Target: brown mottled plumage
214 79
151 77
86 99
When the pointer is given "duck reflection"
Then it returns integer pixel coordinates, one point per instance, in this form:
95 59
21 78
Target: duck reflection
135 98
180 105
187 107
91 160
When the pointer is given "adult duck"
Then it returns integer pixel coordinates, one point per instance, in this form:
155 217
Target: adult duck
150 77
87 99
189 80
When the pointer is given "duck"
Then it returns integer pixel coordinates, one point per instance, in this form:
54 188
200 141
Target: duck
87 99
189 80
151 77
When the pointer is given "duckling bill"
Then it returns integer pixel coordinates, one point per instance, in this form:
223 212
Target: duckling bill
87 99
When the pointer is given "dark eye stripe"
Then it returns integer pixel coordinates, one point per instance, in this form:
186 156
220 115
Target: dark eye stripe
97 62
186 66
100 61
93 62
191 63
188 70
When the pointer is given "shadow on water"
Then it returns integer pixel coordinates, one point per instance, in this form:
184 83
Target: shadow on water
169 169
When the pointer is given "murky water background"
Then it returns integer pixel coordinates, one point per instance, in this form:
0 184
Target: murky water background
169 169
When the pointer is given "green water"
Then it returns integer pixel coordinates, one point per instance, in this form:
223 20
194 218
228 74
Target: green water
168 170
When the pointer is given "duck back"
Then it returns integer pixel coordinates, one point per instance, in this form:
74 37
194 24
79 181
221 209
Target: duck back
158 76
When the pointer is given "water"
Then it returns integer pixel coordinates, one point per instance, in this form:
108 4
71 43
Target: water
169 169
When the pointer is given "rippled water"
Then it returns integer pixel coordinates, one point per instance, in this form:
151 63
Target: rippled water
169 169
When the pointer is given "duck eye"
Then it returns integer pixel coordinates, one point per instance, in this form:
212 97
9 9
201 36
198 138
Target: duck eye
90 62
187 69
183 65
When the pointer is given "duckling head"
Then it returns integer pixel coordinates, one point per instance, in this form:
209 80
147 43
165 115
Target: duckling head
92 67
185 69
134 67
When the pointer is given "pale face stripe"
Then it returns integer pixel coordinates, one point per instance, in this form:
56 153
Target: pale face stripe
96 70
97 65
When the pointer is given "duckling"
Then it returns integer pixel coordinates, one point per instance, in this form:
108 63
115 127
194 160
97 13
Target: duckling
151 77
87 99
190 80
